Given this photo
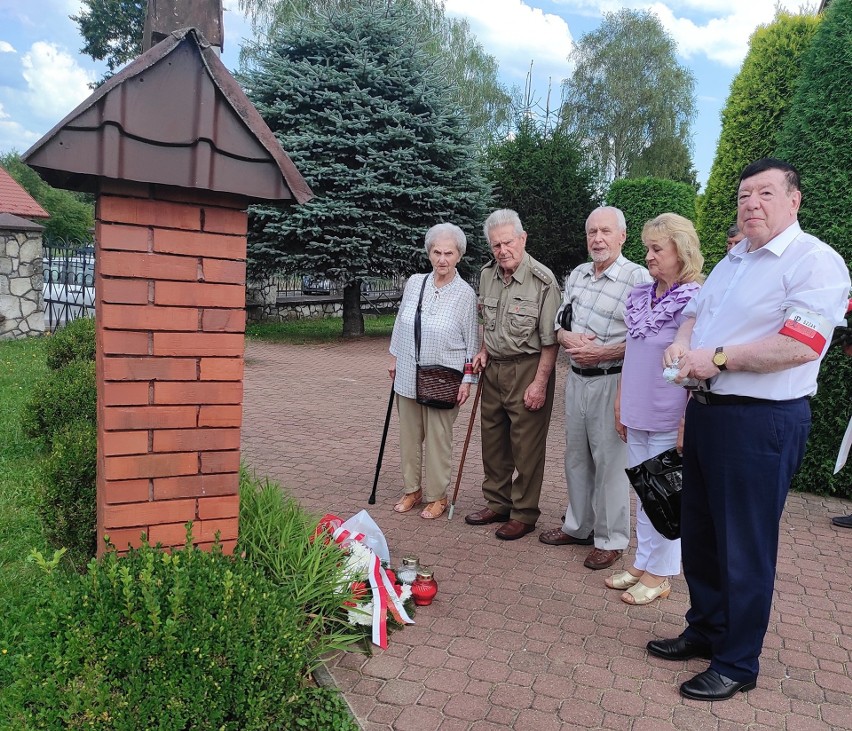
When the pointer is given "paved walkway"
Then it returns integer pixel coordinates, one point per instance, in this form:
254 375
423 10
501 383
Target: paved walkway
521 635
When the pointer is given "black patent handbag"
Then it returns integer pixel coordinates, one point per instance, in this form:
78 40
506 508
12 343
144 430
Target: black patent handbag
658 482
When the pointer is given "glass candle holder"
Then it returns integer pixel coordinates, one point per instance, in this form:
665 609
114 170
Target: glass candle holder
407 571
424 588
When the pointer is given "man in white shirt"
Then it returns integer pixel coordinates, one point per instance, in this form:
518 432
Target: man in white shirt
756 334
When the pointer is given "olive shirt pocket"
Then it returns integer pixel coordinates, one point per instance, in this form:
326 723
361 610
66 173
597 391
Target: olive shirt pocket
522 318
489 313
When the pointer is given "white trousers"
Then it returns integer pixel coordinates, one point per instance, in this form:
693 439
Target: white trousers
654 553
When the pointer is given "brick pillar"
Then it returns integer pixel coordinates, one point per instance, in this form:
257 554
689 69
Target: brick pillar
170 287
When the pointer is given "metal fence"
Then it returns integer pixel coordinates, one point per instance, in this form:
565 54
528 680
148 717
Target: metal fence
69 281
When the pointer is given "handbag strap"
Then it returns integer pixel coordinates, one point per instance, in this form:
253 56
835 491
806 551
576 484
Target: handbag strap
417 322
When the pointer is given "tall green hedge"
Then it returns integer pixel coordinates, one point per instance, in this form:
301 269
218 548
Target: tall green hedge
641 199
816 139
61 413
751 120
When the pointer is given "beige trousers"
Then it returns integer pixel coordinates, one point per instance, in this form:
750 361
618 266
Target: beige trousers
423 429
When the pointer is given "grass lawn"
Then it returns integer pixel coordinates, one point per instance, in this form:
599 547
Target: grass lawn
320 330
21 362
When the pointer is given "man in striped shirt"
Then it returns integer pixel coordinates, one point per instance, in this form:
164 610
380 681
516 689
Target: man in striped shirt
598 510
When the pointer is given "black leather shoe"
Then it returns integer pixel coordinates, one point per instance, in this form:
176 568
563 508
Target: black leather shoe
679 648
712 686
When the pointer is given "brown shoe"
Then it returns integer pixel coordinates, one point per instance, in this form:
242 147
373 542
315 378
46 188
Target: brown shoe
484 517
409 501
513 530
600 559
555 537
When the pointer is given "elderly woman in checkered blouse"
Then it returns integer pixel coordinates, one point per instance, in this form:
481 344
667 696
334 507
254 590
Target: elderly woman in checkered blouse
449 337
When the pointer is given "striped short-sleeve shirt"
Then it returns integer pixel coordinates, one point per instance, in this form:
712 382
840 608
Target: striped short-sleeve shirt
597 303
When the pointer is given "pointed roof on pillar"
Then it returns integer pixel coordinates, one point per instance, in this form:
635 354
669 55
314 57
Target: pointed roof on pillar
175 116
15 201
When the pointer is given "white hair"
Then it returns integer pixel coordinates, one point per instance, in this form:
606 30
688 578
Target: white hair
448 230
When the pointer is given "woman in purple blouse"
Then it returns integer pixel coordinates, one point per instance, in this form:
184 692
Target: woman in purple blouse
648 410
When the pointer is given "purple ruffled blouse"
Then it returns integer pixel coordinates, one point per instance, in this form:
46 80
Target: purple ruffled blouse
648 402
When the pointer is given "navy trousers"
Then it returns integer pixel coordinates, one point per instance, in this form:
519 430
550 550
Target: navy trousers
738 461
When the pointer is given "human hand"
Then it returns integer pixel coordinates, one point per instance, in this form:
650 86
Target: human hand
568 339
463 394
480 360
696 364
673 353
534 396
588 353
621 430
392 369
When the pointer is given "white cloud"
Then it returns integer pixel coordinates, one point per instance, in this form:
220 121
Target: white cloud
6 47
515 34
56 82
716 29
14 136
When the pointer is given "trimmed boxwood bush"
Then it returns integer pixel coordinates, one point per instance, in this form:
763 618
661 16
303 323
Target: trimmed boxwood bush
75 341
157 640
64 396
815 139
642 199
62 414
67 497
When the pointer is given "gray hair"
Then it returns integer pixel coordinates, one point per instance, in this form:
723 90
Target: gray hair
502 217
446 230
733 230
619 216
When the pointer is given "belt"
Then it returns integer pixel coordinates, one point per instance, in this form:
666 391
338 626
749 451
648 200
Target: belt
513 358
722 399
588 372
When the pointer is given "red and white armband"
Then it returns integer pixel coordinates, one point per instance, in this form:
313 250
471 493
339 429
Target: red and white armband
807 327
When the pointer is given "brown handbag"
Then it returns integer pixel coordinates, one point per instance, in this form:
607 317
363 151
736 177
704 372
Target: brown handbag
437 385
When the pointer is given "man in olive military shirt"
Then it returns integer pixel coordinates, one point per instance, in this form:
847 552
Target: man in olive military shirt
518 299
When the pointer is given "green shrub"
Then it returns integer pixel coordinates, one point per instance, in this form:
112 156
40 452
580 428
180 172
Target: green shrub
67 498
323 709
642 199
74 341
63 397
61 413
815 139
190 640
751 120
276 536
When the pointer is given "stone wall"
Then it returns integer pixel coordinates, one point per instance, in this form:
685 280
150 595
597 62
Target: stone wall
21 276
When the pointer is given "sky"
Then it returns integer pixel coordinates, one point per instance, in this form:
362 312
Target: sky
43 75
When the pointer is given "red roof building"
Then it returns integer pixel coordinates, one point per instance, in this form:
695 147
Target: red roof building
16 201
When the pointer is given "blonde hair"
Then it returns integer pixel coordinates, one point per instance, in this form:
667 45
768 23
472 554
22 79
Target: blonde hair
681 232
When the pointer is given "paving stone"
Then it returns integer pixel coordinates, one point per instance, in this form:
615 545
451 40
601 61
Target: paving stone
521 635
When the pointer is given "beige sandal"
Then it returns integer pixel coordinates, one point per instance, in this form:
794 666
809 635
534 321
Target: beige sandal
434 510
641 594
622 580
408 501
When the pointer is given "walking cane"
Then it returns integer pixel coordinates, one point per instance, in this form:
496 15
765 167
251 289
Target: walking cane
464 450
372 499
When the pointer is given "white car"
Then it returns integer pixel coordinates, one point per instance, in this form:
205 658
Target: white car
69 285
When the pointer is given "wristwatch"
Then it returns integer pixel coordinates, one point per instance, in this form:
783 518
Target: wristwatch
720 360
